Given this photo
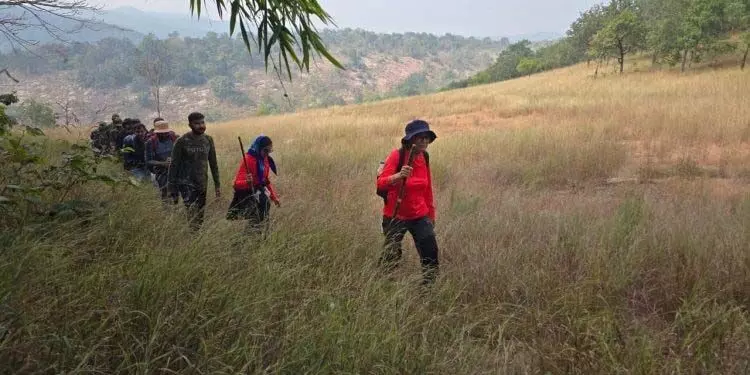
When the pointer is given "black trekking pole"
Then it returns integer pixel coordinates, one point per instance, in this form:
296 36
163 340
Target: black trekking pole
268 221
402 190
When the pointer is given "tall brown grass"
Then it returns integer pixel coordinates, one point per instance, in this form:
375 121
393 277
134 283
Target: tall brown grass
547 266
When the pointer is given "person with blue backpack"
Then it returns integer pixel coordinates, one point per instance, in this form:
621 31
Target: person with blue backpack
159 157
405 184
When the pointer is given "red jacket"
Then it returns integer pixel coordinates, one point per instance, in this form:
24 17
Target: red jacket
240 179
418 201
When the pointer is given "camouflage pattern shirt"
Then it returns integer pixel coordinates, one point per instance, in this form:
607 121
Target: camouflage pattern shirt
192 155
100 137
112 134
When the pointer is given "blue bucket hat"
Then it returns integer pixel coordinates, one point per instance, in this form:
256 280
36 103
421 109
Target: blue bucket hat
417 127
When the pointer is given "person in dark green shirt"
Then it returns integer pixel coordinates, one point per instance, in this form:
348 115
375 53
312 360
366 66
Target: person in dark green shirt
192 155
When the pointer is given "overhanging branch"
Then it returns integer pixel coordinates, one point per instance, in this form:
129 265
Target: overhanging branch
7 73
24 15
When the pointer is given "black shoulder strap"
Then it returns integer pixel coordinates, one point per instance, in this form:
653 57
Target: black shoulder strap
401 154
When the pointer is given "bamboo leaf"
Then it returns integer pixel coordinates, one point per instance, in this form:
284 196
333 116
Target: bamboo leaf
34 131
233 17
244 35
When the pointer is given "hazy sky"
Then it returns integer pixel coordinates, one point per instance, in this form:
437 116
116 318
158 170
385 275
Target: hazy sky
471 17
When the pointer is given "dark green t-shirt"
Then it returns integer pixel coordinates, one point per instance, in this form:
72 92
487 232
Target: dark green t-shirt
192 155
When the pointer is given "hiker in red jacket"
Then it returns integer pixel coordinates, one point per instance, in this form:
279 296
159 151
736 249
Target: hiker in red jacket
253 188
416 213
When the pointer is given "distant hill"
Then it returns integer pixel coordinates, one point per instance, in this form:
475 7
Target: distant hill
162 24
70 31
215 72
132 24
118 23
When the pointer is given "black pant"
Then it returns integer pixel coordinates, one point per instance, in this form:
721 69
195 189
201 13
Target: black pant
162 184
257 214
423 234
195 201
250 205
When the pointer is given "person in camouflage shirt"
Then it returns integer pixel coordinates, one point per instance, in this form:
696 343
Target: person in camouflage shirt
103 138
98 141
111 133
192 155
116 119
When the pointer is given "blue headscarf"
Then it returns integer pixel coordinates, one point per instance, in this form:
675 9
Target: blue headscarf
254 151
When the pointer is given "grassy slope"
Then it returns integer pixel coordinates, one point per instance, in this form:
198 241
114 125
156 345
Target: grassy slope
545 266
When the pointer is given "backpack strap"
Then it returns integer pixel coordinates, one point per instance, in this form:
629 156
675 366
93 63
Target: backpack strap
401 155
155 140
154 143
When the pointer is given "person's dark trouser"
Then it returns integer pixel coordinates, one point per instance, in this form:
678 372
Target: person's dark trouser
257 214
195 201
139 173
423 234
162 184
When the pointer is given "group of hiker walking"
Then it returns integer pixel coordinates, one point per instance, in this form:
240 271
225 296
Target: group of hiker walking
178 167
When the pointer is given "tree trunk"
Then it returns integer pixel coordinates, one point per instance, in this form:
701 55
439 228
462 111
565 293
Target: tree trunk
744 58
684 61
596 72
158 102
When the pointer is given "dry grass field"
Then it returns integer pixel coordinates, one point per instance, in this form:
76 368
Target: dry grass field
585 226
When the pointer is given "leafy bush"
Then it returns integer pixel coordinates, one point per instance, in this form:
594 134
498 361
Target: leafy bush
37 114
35 188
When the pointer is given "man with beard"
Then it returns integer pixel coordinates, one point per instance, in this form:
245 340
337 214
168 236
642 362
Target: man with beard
134 152
192 155
127 129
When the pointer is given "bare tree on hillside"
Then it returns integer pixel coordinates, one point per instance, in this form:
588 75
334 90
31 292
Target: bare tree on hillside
7 73
72 117
17 16
155 65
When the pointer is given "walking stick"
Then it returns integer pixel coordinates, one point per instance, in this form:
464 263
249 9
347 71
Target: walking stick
242 152
252 190
268 221
247 169
402 191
